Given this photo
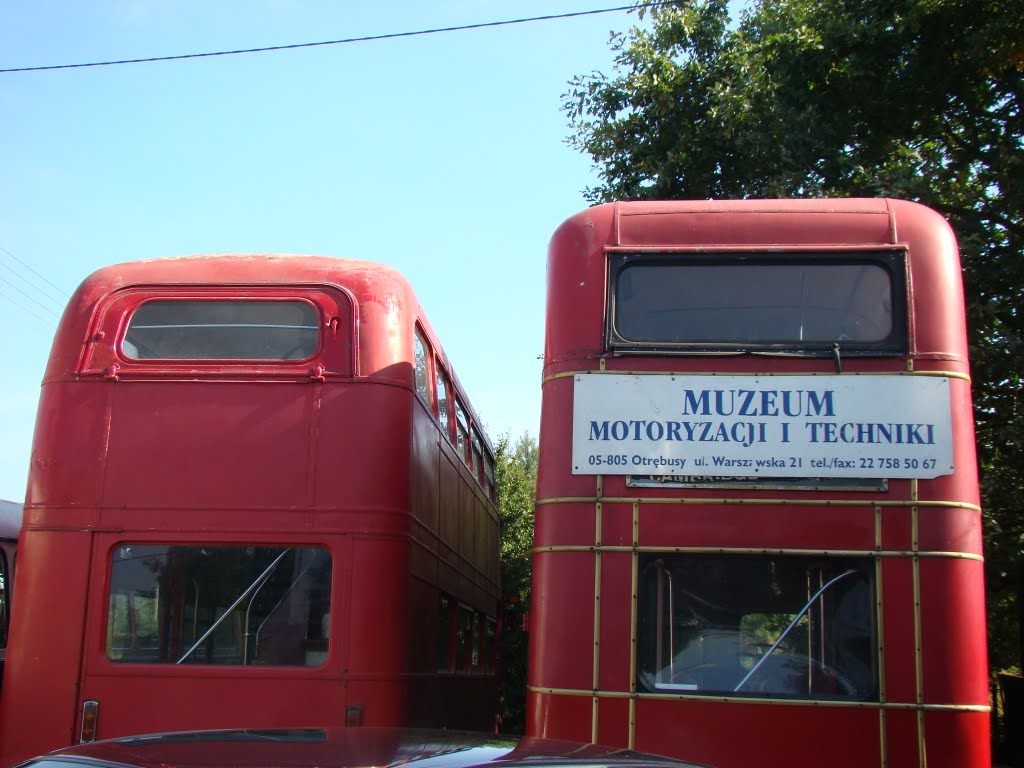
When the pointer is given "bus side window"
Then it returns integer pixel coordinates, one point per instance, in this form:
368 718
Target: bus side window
489 652
478 457
466 640
445 634
489 474
424 385
444 403
4 602
462 431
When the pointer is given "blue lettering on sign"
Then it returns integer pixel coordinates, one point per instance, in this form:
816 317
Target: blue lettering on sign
759 402
869 433
744 433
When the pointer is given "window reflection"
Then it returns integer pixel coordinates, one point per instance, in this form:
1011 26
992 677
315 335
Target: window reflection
222 330
751 302
762 626
219 605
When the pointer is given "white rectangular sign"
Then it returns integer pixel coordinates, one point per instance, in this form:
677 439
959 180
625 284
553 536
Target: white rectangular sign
762 426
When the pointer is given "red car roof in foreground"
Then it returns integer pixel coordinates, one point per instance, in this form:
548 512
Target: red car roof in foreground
342 748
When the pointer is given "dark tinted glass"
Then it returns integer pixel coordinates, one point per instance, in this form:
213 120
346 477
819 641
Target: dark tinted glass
222 330
211 604
751 303
788 626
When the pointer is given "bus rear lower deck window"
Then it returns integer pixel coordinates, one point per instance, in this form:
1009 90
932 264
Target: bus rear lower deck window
799 627
216 604
800 302
222 330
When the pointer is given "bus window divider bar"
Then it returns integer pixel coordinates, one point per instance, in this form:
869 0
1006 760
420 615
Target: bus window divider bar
758 551
817 703
761 374
223 617
768 502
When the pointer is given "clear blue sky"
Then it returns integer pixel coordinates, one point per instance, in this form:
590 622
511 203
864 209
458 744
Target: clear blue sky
442 155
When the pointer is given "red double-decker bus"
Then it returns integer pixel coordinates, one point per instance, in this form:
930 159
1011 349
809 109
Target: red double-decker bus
258 498
758 529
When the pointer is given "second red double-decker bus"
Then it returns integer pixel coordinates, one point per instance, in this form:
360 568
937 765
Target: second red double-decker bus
258 498
758 530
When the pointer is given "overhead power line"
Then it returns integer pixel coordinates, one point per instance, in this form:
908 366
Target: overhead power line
30 289
344 41
59 302
9 284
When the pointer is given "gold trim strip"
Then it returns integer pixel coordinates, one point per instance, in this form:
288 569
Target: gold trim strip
759 551
691 501
596 672
603 370
883 739
632 723
634 581
595 677
891 705
922 747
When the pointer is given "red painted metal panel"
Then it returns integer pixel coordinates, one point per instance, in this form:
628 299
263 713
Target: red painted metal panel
902 737
567 718
67 453
613 721
615 638
953 628
897 587
771 526
950 529
127 702
562 616
957 738
201 432
568 524
616 524
898 529
44 645
739 733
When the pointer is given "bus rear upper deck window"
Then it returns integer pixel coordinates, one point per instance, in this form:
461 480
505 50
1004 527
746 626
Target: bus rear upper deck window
750 302
222 330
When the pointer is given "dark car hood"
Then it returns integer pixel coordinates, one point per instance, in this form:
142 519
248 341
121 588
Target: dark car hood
342 748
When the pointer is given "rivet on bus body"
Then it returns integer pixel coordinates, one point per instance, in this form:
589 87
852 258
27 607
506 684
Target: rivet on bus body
111 371
90 714
354 716
99 336
317 374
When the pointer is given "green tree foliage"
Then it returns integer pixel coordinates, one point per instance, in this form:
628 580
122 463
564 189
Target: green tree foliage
917 99
516 478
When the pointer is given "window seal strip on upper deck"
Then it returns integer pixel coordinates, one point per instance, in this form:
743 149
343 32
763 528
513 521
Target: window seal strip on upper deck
307 332
785 301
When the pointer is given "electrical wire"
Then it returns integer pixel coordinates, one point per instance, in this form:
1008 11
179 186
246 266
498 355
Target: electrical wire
58 301
344 41
23 308
28 296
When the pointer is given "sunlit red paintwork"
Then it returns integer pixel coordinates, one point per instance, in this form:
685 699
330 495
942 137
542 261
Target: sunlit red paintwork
335 451
934 705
